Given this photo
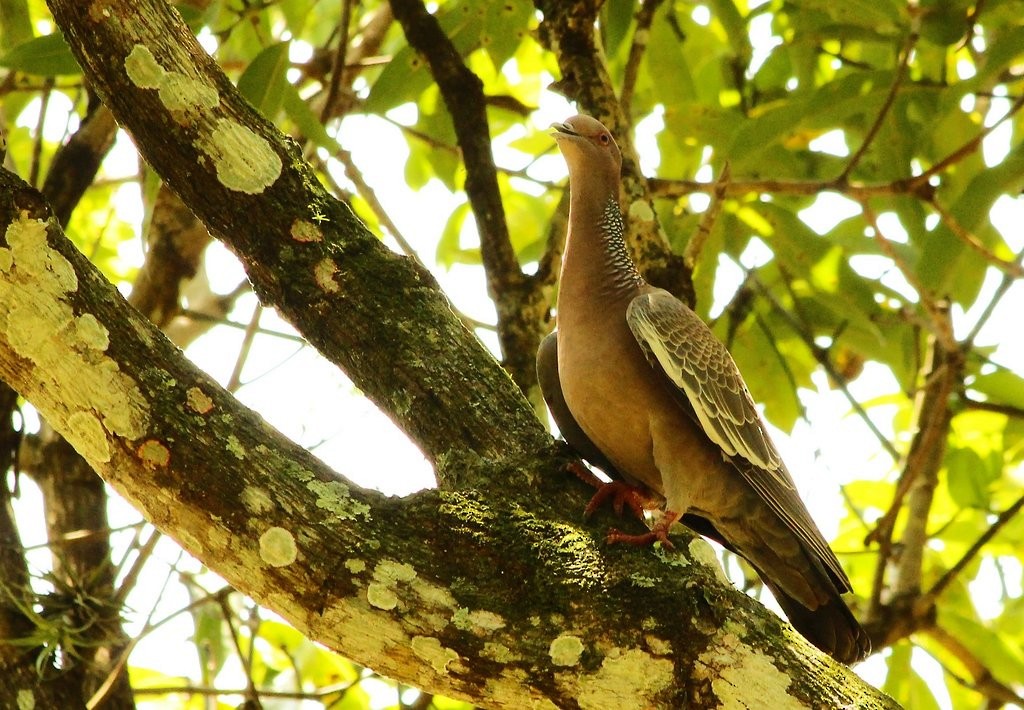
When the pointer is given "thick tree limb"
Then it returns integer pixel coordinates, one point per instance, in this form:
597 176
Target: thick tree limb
497 598
305 253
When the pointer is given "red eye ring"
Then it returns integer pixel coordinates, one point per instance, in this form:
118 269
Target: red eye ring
604 139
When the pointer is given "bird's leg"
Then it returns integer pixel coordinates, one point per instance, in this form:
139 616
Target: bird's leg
622 494
659 533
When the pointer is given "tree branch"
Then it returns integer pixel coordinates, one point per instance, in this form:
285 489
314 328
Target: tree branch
233 168
519 303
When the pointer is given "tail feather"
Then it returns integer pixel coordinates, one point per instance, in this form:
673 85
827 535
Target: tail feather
831 627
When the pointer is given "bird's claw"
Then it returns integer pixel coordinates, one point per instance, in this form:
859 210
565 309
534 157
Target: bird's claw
659 533
616 536
622 496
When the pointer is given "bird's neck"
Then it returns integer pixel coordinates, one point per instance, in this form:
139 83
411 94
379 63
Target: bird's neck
596 264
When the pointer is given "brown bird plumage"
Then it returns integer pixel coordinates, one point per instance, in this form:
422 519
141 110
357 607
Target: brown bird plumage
641 387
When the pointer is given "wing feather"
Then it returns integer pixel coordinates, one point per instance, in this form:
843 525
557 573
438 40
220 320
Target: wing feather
680 345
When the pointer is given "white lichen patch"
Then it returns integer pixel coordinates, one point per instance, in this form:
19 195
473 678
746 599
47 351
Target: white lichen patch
641 210
566 650
506 690
305 231
499 652
740 676
643 581
26 699
657 645
430 650
245 161
478 621
433 595
153 454
91 332
198 401
355 565
323 274
88 436
702 552
380 596
390 572
277 547
218 537
256 500
143 69
626 678
36 314
180 92
235 447
333 496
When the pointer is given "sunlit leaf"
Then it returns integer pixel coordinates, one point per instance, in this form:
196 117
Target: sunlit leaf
48 55
262 82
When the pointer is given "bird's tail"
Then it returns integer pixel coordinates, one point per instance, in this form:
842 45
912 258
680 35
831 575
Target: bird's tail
831 627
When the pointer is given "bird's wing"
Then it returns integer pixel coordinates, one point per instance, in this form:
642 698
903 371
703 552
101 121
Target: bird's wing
678 341
681 346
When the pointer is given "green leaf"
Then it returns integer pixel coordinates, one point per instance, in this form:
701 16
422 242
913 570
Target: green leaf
449 248
1004 661
948 266
263 81
15 23
310 125
48 55
904 684
504 28
1002 387
969 477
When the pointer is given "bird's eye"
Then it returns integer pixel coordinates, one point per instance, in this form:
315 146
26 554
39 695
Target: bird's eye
604 139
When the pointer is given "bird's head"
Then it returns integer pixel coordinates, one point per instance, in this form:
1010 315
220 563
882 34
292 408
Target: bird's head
588 147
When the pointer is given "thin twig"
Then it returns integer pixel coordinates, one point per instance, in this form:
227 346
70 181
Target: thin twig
964 150
946 579
1001 290
37 145
1007 409
370 197
644 18
1010 268
206 317
129 580
901 75
243 352
338 66
821 356
707 220
938 322
982 679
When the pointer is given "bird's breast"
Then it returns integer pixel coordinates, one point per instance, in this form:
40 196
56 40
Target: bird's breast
609 387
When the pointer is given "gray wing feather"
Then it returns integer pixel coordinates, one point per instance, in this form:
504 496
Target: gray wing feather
679 344
697 362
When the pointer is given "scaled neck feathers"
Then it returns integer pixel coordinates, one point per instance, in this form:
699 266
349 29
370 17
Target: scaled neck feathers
596 260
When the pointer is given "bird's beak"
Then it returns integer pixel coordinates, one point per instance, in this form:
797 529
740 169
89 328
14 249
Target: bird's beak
563 129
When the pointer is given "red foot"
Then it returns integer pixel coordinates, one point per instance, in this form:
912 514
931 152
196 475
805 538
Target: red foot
622 494
659 533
